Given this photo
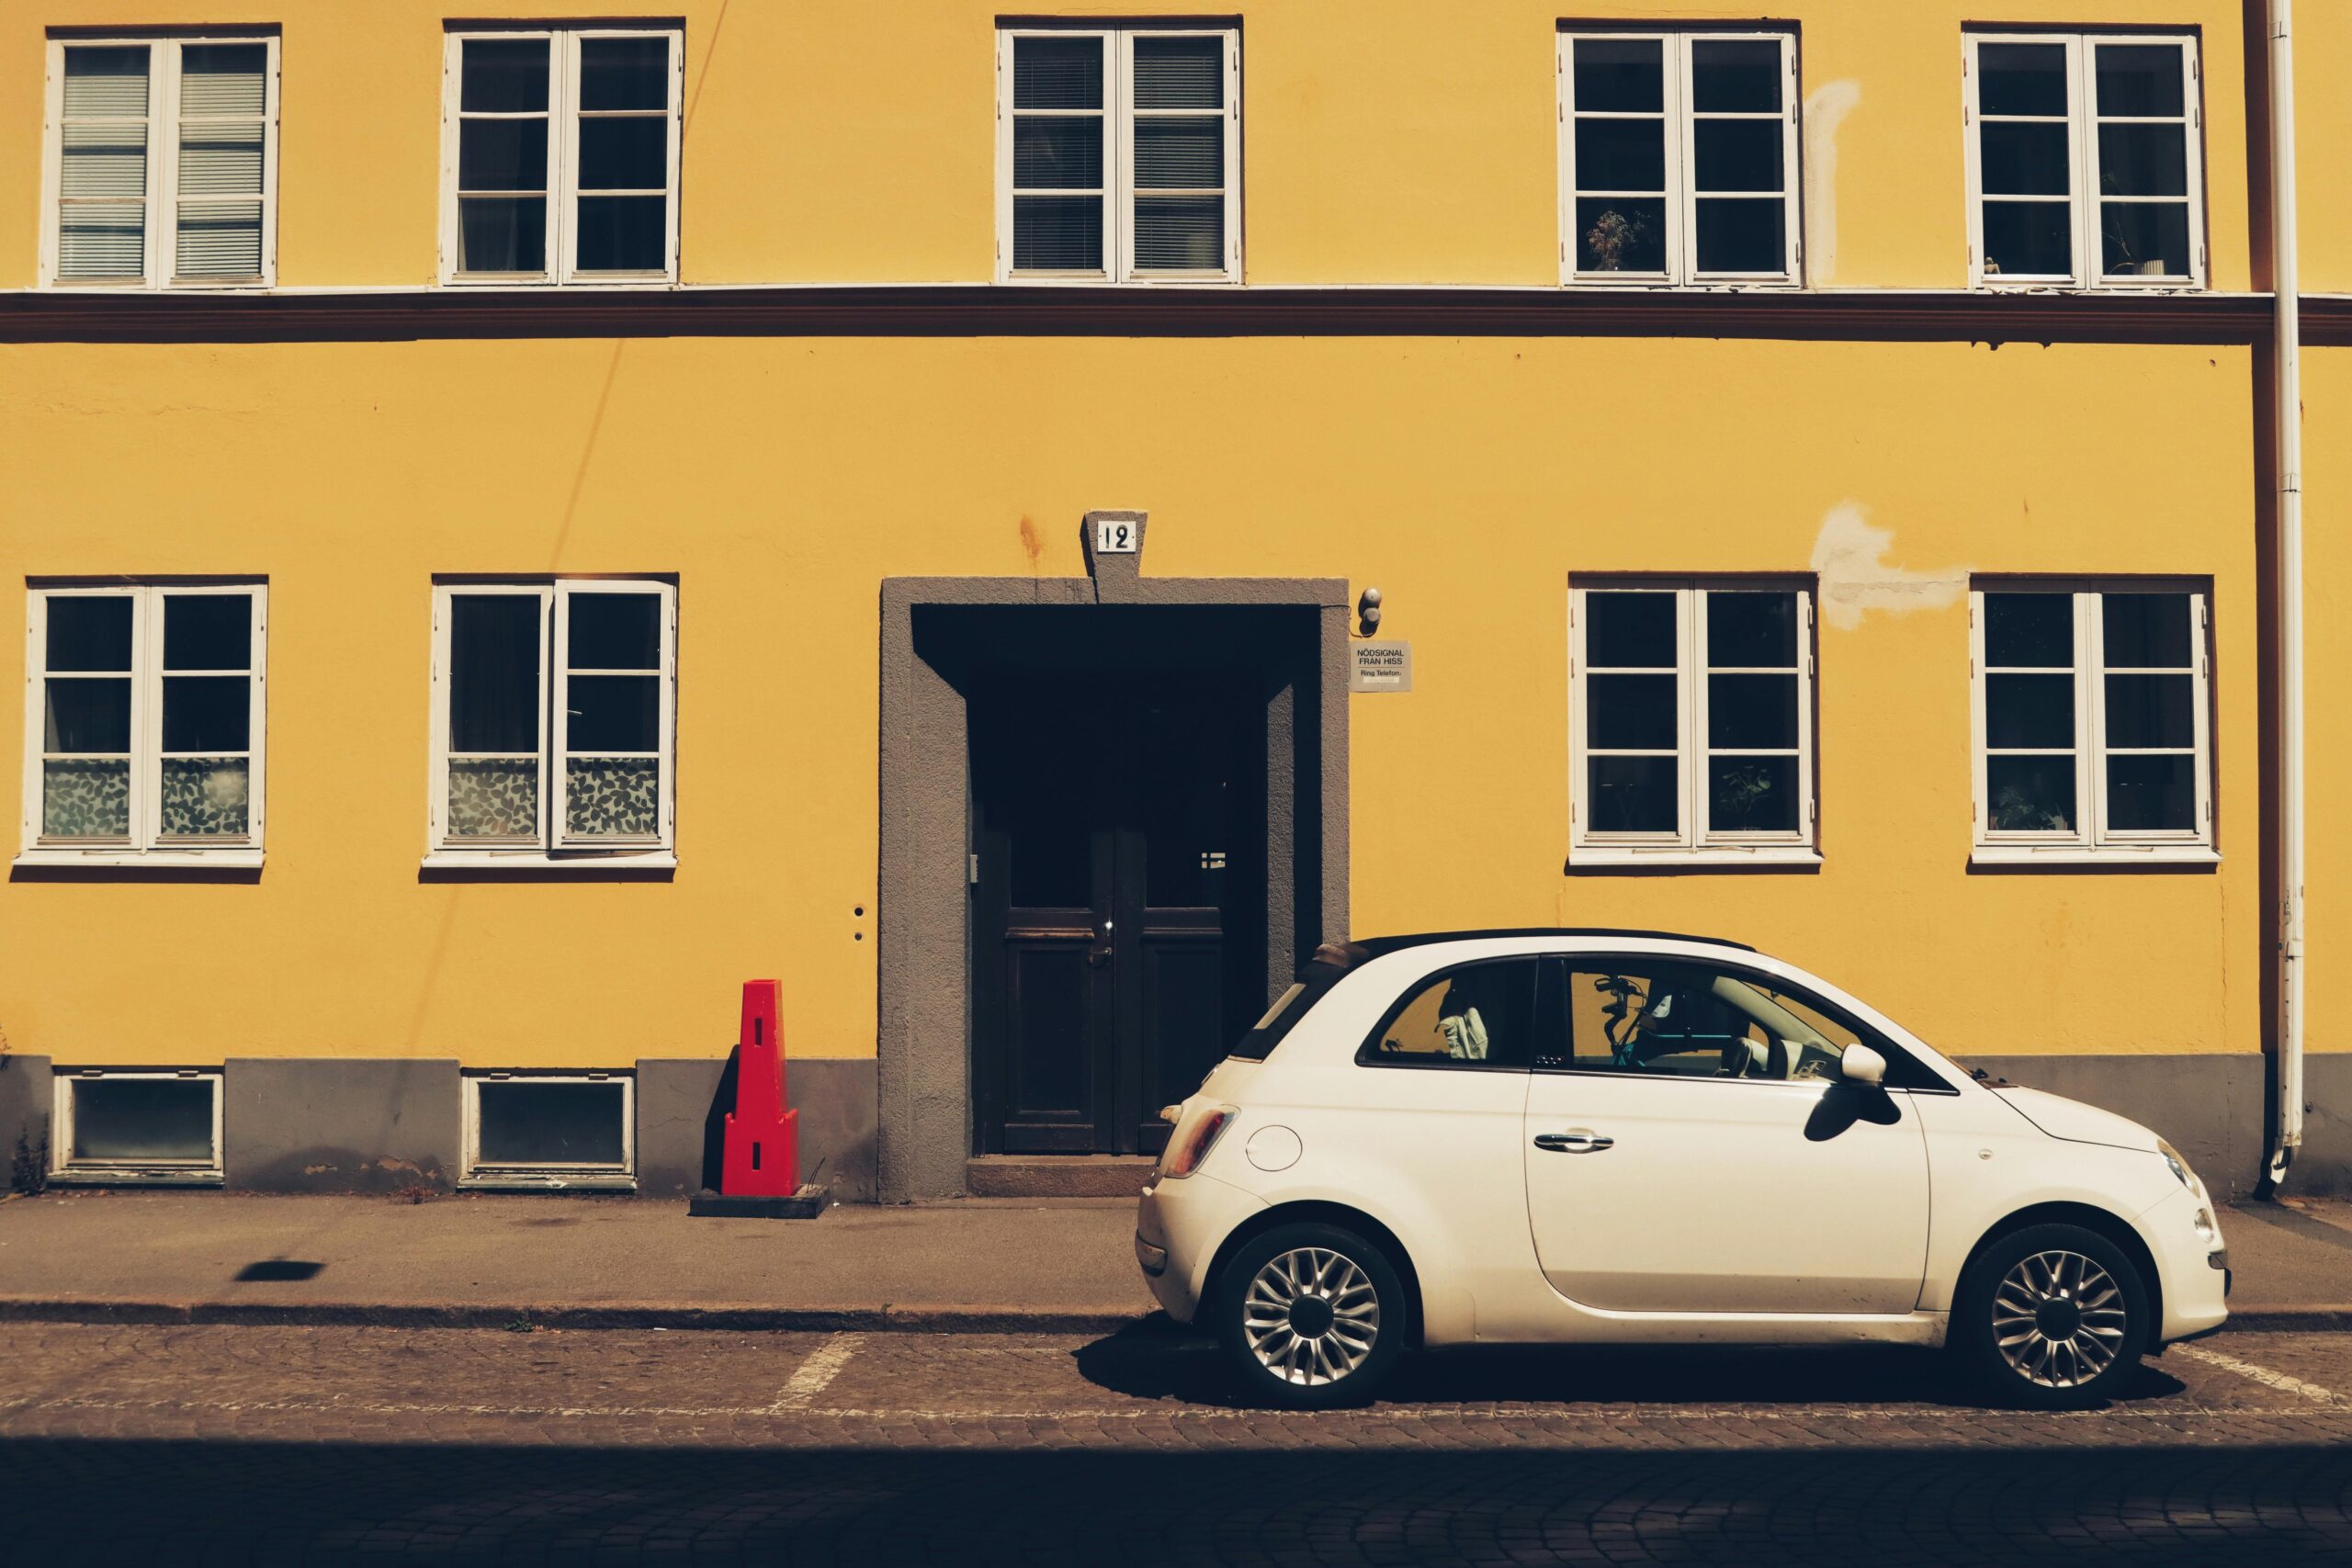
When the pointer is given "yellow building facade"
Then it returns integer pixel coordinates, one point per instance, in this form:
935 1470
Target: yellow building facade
781 496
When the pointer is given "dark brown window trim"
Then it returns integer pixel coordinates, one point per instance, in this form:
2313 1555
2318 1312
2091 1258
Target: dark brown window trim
1062 310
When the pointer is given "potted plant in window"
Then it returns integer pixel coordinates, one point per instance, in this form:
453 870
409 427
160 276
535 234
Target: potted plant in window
1612 236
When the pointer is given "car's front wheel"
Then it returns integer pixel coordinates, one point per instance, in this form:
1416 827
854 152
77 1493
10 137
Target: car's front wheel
2052 1317
1312 1315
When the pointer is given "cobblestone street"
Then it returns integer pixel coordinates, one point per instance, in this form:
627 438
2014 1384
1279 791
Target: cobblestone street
289 1444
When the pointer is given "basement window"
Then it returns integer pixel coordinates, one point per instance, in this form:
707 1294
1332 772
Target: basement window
550 1130
141 1126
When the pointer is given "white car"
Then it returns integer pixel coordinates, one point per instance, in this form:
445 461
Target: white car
1596 1136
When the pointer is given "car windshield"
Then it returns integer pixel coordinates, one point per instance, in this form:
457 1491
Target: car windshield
1330 963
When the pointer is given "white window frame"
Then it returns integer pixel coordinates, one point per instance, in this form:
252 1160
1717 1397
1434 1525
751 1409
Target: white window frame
473 1173
551 847
146 844
2082 144
1694 841
162 162
1119 115
66 1170
1681 196
2092 841
562 193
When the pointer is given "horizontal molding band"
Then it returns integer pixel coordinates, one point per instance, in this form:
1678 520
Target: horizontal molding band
1057 309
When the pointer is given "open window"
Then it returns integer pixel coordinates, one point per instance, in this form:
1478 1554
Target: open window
550 1130
142 1126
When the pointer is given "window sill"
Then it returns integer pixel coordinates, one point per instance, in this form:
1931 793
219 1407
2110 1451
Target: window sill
588 861
2045 286
1603 284
145 860
1720 856
167 1177
2113 856
526 1181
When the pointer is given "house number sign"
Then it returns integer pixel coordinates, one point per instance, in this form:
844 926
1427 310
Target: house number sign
1116 536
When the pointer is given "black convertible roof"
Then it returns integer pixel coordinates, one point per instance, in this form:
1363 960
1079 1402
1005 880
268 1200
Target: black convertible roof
1376 945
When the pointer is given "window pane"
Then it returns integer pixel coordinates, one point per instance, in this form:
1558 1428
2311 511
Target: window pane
1735 76
1737 154
625 155
1634 794
1181 233
103 160
2151 794
2147 238
1629 631
1621 155
1686 1020
612 797
1620 235
2026 711
224 79
1741 236
204 797
526 1121
2143 160
2021 78
2141 79
2030 794
99 243
1058 154
1752 794
502 233
106 81
1630 712
504 75
1751 629
218 239
1745 711
85 799
624 233
625 74
143 1119
614 631
613 713
1483 1014
2151 710
1179 72
2024 159
222 160
1057 72
89 632
502 154
207 631
2145 631
1179 153
494 679
206 713
494 799
2029 630
1058 234
86 716
1620 74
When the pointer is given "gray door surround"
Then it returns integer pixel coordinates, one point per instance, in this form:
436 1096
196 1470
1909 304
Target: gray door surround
923 1045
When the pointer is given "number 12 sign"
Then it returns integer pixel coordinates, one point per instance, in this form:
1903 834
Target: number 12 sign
1117 536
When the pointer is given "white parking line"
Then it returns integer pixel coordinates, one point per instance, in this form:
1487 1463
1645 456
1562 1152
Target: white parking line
2262 1375
816 1373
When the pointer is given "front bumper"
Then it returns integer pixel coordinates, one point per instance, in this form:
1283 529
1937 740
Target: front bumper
2193 1269
1179 1224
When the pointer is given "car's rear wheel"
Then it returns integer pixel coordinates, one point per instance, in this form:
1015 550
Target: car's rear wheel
2052 1318
1312 1315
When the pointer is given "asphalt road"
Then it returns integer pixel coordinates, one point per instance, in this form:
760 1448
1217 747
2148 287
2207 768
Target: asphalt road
334 1445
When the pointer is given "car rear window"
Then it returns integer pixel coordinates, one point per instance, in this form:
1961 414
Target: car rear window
1330 965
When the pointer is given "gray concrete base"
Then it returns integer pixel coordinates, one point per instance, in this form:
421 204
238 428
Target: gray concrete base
681 1105
2325 1167
338 1124
24 1101
1057 1175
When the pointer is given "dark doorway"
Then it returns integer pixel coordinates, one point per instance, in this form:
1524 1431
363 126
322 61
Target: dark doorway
1120 900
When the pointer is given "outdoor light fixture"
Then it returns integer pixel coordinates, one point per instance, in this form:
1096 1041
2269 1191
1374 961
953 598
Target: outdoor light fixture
1368 612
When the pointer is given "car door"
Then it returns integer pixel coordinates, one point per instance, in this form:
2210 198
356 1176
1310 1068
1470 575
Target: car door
1694 1150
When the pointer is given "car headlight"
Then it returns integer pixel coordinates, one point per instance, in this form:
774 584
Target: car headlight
2180 1165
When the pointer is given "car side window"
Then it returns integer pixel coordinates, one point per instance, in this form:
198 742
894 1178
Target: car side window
1475 1016
1674 1019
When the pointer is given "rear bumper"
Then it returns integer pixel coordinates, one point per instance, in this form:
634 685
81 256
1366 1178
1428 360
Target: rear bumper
1186 1221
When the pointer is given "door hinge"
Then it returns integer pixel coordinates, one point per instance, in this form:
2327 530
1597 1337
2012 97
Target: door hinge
972 871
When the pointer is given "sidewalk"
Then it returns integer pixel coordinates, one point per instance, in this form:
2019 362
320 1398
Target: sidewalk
982 1264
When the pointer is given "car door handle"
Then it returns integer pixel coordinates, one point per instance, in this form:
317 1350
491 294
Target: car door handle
1578 1141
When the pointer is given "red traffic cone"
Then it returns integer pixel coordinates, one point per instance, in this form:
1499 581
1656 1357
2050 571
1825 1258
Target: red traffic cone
763 1151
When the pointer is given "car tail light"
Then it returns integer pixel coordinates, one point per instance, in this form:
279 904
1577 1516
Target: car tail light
1191 1142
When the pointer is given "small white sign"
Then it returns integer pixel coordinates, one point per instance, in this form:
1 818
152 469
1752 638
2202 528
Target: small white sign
1380 666
1117 536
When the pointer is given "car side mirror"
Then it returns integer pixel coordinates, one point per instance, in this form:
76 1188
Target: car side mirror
1860 1064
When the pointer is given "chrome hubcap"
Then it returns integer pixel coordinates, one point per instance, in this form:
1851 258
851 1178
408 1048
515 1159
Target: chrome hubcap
2059 1319
1311 1316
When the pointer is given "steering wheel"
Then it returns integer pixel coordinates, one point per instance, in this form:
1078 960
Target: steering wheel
1736 1061
1740 1061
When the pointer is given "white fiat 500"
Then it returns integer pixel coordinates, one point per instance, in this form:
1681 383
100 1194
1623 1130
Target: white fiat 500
1550 1136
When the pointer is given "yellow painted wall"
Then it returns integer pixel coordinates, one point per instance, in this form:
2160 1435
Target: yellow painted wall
783 480
1384 141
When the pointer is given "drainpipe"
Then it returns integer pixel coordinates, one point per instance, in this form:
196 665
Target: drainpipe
2288 423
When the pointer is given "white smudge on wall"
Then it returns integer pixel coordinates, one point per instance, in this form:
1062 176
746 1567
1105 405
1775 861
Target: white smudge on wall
1854 561
1825 108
